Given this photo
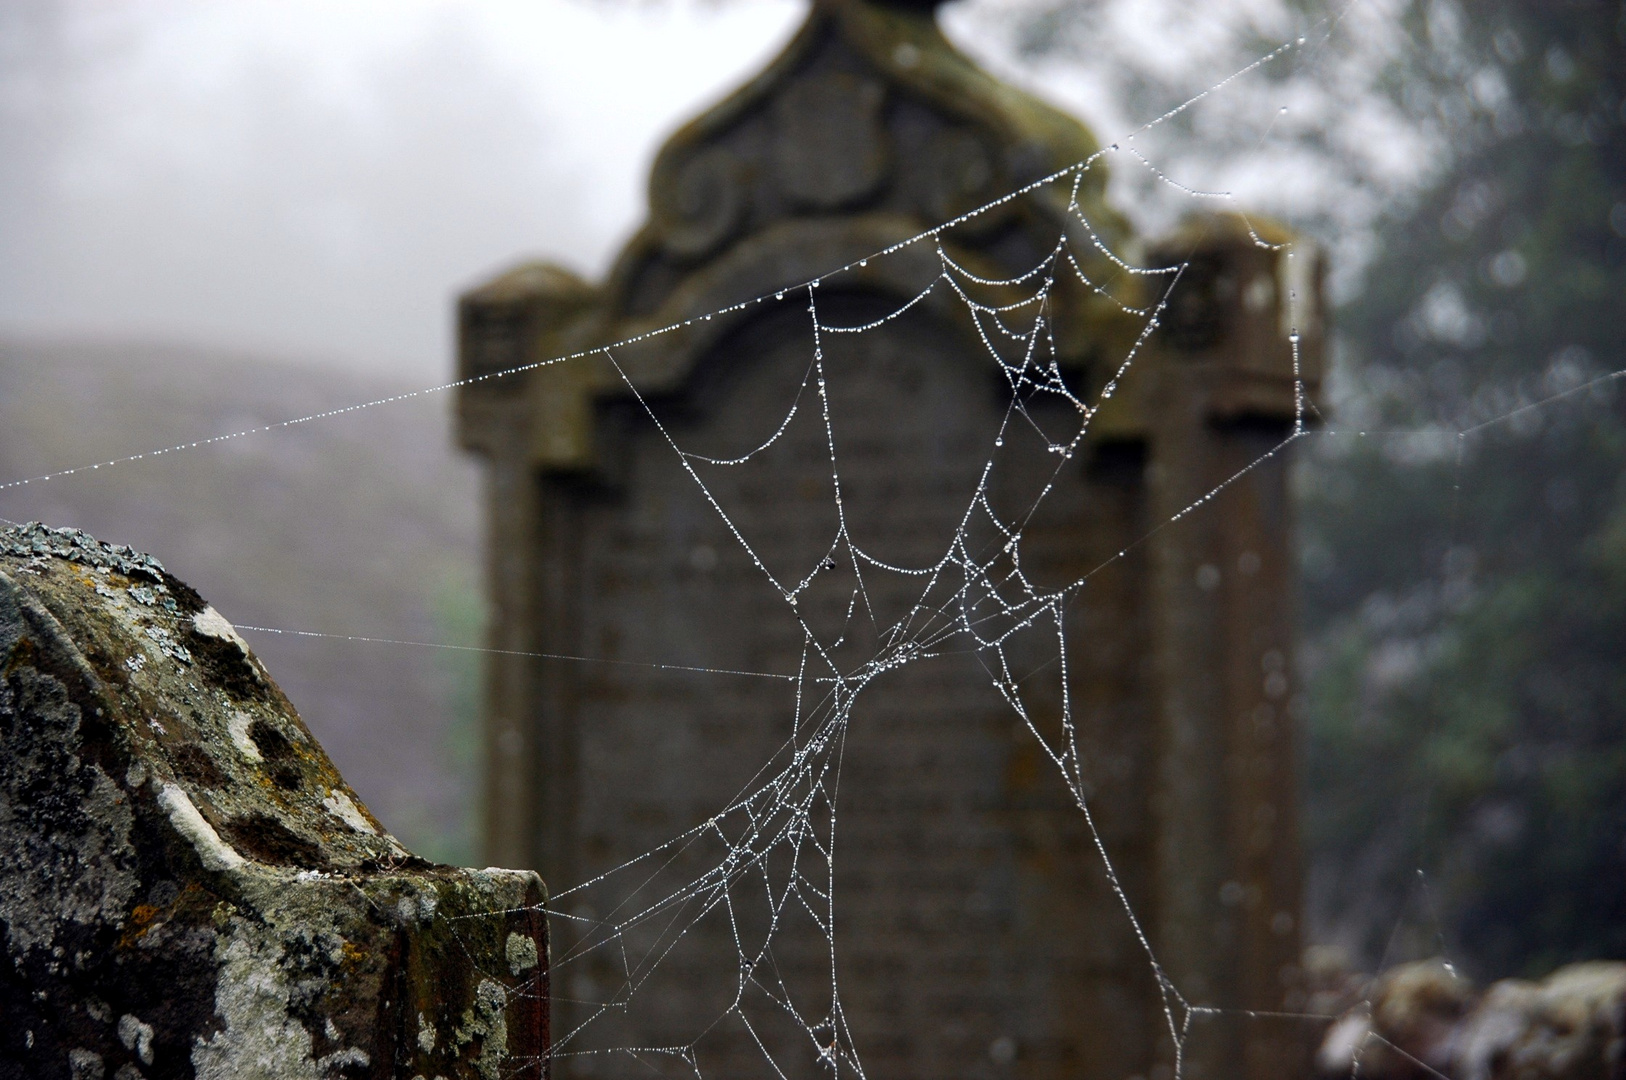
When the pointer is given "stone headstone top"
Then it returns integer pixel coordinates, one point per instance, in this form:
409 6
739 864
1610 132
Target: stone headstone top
187 884
869 129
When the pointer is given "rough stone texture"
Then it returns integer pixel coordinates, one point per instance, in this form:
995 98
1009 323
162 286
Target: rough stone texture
1424 1020
187 885
978 935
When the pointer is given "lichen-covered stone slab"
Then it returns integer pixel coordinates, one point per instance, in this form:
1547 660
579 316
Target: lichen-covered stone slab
1424 1020
187 885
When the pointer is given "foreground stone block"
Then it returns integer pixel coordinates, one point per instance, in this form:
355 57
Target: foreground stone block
187 885
1424 1020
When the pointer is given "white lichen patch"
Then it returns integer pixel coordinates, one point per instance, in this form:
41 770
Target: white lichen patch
426 1035
340 1059
521 952
237 725
417 906
136 1036
85 1065
258 1040
344 808
210 623
168 645
488 1019
215 852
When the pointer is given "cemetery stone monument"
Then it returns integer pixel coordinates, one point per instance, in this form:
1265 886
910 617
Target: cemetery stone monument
978 933
188 888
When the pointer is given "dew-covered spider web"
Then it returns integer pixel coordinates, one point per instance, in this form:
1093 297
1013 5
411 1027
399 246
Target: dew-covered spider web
756 876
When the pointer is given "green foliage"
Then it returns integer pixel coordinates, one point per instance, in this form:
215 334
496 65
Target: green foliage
1466 595
1464 598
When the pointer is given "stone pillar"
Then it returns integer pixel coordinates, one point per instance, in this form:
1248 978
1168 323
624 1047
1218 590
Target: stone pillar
1227 399
518 422
187 885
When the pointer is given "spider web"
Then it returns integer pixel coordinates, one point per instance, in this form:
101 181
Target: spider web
763 865
767 859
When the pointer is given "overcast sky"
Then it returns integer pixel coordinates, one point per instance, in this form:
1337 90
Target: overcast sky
316 179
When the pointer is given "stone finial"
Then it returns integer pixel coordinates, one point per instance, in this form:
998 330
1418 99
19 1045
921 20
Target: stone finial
868 129
187 884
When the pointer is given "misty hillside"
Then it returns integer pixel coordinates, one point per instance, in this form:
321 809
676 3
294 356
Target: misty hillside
363 524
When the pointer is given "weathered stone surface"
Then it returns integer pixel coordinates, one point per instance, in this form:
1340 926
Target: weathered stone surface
1424 1020
187 885
979 935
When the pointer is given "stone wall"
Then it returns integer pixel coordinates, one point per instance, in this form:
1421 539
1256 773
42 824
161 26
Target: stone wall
1424 1020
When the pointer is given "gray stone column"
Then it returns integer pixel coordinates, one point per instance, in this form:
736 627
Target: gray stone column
1225 801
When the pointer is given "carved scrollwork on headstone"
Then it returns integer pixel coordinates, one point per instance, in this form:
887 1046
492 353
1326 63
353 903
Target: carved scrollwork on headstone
830 148
700 203
956 173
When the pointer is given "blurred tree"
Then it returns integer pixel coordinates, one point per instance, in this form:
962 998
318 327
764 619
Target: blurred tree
1465 595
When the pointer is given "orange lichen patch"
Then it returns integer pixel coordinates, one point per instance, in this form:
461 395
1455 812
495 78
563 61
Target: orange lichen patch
142 918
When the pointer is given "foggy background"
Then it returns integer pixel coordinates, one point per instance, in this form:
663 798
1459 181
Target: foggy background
218 215
313 180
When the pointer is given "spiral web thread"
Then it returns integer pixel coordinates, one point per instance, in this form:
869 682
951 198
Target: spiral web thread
779 832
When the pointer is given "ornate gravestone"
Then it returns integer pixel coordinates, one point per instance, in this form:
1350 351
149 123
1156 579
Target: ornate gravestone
978 934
